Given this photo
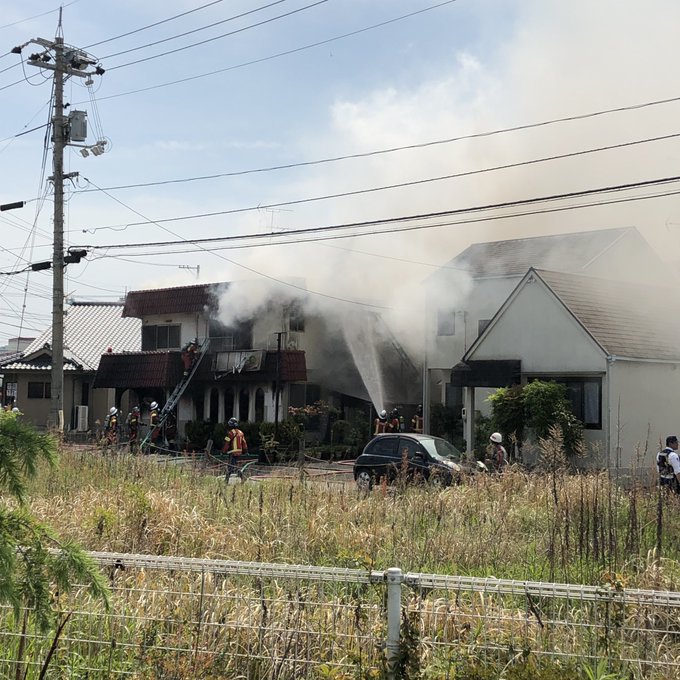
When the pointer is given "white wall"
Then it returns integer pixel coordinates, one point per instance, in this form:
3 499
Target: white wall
538 329
193 325
483 301
644 408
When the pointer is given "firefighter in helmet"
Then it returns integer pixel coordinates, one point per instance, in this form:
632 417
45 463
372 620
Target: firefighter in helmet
111 427
380 423
396 421
417 420
133 422
154 417
235 445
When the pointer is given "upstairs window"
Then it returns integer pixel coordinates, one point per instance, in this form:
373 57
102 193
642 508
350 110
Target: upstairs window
446 322
161 337
296 319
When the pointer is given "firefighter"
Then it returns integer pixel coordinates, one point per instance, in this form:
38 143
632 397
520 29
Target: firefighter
111 427
235 445
189 355
396 421
499 457
417 420
133 422
154 415
380 423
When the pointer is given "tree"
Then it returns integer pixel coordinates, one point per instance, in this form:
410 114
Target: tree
33 560
537 407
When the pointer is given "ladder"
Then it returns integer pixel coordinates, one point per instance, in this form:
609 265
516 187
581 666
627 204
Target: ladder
172 400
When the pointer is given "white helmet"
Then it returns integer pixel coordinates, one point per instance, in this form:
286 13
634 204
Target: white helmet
113 410
496 437
382 414
153 405
16 410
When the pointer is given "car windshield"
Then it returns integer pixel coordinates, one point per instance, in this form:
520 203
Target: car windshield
440 449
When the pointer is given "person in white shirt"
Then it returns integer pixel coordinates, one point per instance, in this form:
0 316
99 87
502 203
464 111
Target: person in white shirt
668 464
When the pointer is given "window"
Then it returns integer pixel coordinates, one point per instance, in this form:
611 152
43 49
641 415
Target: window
585 395
39 390
160 337
296 319
481 325
446 322
259 405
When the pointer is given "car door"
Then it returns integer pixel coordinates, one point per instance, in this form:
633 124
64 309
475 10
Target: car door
382 456
415 457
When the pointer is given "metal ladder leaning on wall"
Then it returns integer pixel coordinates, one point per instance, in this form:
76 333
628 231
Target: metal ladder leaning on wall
176 393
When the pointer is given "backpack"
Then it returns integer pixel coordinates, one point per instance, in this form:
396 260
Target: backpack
665 468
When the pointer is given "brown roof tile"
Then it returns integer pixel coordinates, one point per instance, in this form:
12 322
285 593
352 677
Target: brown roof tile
139 369
179 300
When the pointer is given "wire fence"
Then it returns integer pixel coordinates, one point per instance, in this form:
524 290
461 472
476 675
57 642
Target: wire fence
192 618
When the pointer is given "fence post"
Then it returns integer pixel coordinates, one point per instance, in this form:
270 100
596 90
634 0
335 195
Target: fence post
394 580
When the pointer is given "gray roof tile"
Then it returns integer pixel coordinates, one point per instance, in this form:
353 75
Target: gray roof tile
627 320
89 330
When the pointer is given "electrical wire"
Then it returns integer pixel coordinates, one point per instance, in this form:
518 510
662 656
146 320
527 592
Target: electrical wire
280 54
399 219
357 192
196 30
219 37
387 187
37 16
157 23
256 272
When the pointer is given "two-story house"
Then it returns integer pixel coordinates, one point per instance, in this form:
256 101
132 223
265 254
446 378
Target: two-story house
464 295
280 357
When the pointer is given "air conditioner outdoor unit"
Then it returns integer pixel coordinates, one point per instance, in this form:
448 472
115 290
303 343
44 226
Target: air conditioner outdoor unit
82 419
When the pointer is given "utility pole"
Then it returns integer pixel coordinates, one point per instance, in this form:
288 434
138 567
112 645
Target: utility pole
67 62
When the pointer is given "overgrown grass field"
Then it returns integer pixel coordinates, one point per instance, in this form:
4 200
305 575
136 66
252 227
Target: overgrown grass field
549 527
540 527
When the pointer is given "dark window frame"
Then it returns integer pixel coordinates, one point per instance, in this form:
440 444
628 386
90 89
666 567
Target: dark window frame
578 399
39 390
446 322
161 336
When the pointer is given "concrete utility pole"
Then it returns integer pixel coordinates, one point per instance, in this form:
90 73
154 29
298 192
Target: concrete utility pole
65 62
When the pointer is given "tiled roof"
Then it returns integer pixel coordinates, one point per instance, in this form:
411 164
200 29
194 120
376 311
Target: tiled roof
179 300
559 252
89 330
139 369
627 320
164 369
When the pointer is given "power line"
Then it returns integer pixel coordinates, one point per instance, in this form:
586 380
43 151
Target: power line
37 16
279 54
157 23
219 37
366 154
398 219
388 187
196 30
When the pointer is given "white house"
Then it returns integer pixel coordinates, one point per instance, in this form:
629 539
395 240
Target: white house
463 295
615 346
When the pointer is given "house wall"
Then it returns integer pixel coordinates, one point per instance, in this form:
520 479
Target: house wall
193 325
644 410
537 329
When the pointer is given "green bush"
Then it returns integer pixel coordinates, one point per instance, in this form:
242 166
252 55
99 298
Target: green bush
537 406
197 433
447 423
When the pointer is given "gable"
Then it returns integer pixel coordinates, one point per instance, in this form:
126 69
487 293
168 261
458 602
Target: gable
534 326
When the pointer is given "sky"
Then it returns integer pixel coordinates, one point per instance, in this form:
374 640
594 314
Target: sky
233 138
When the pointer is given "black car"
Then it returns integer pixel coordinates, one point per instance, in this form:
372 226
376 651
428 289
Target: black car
418 456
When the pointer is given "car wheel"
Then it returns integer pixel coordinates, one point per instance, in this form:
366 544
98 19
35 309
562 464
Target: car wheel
365 479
